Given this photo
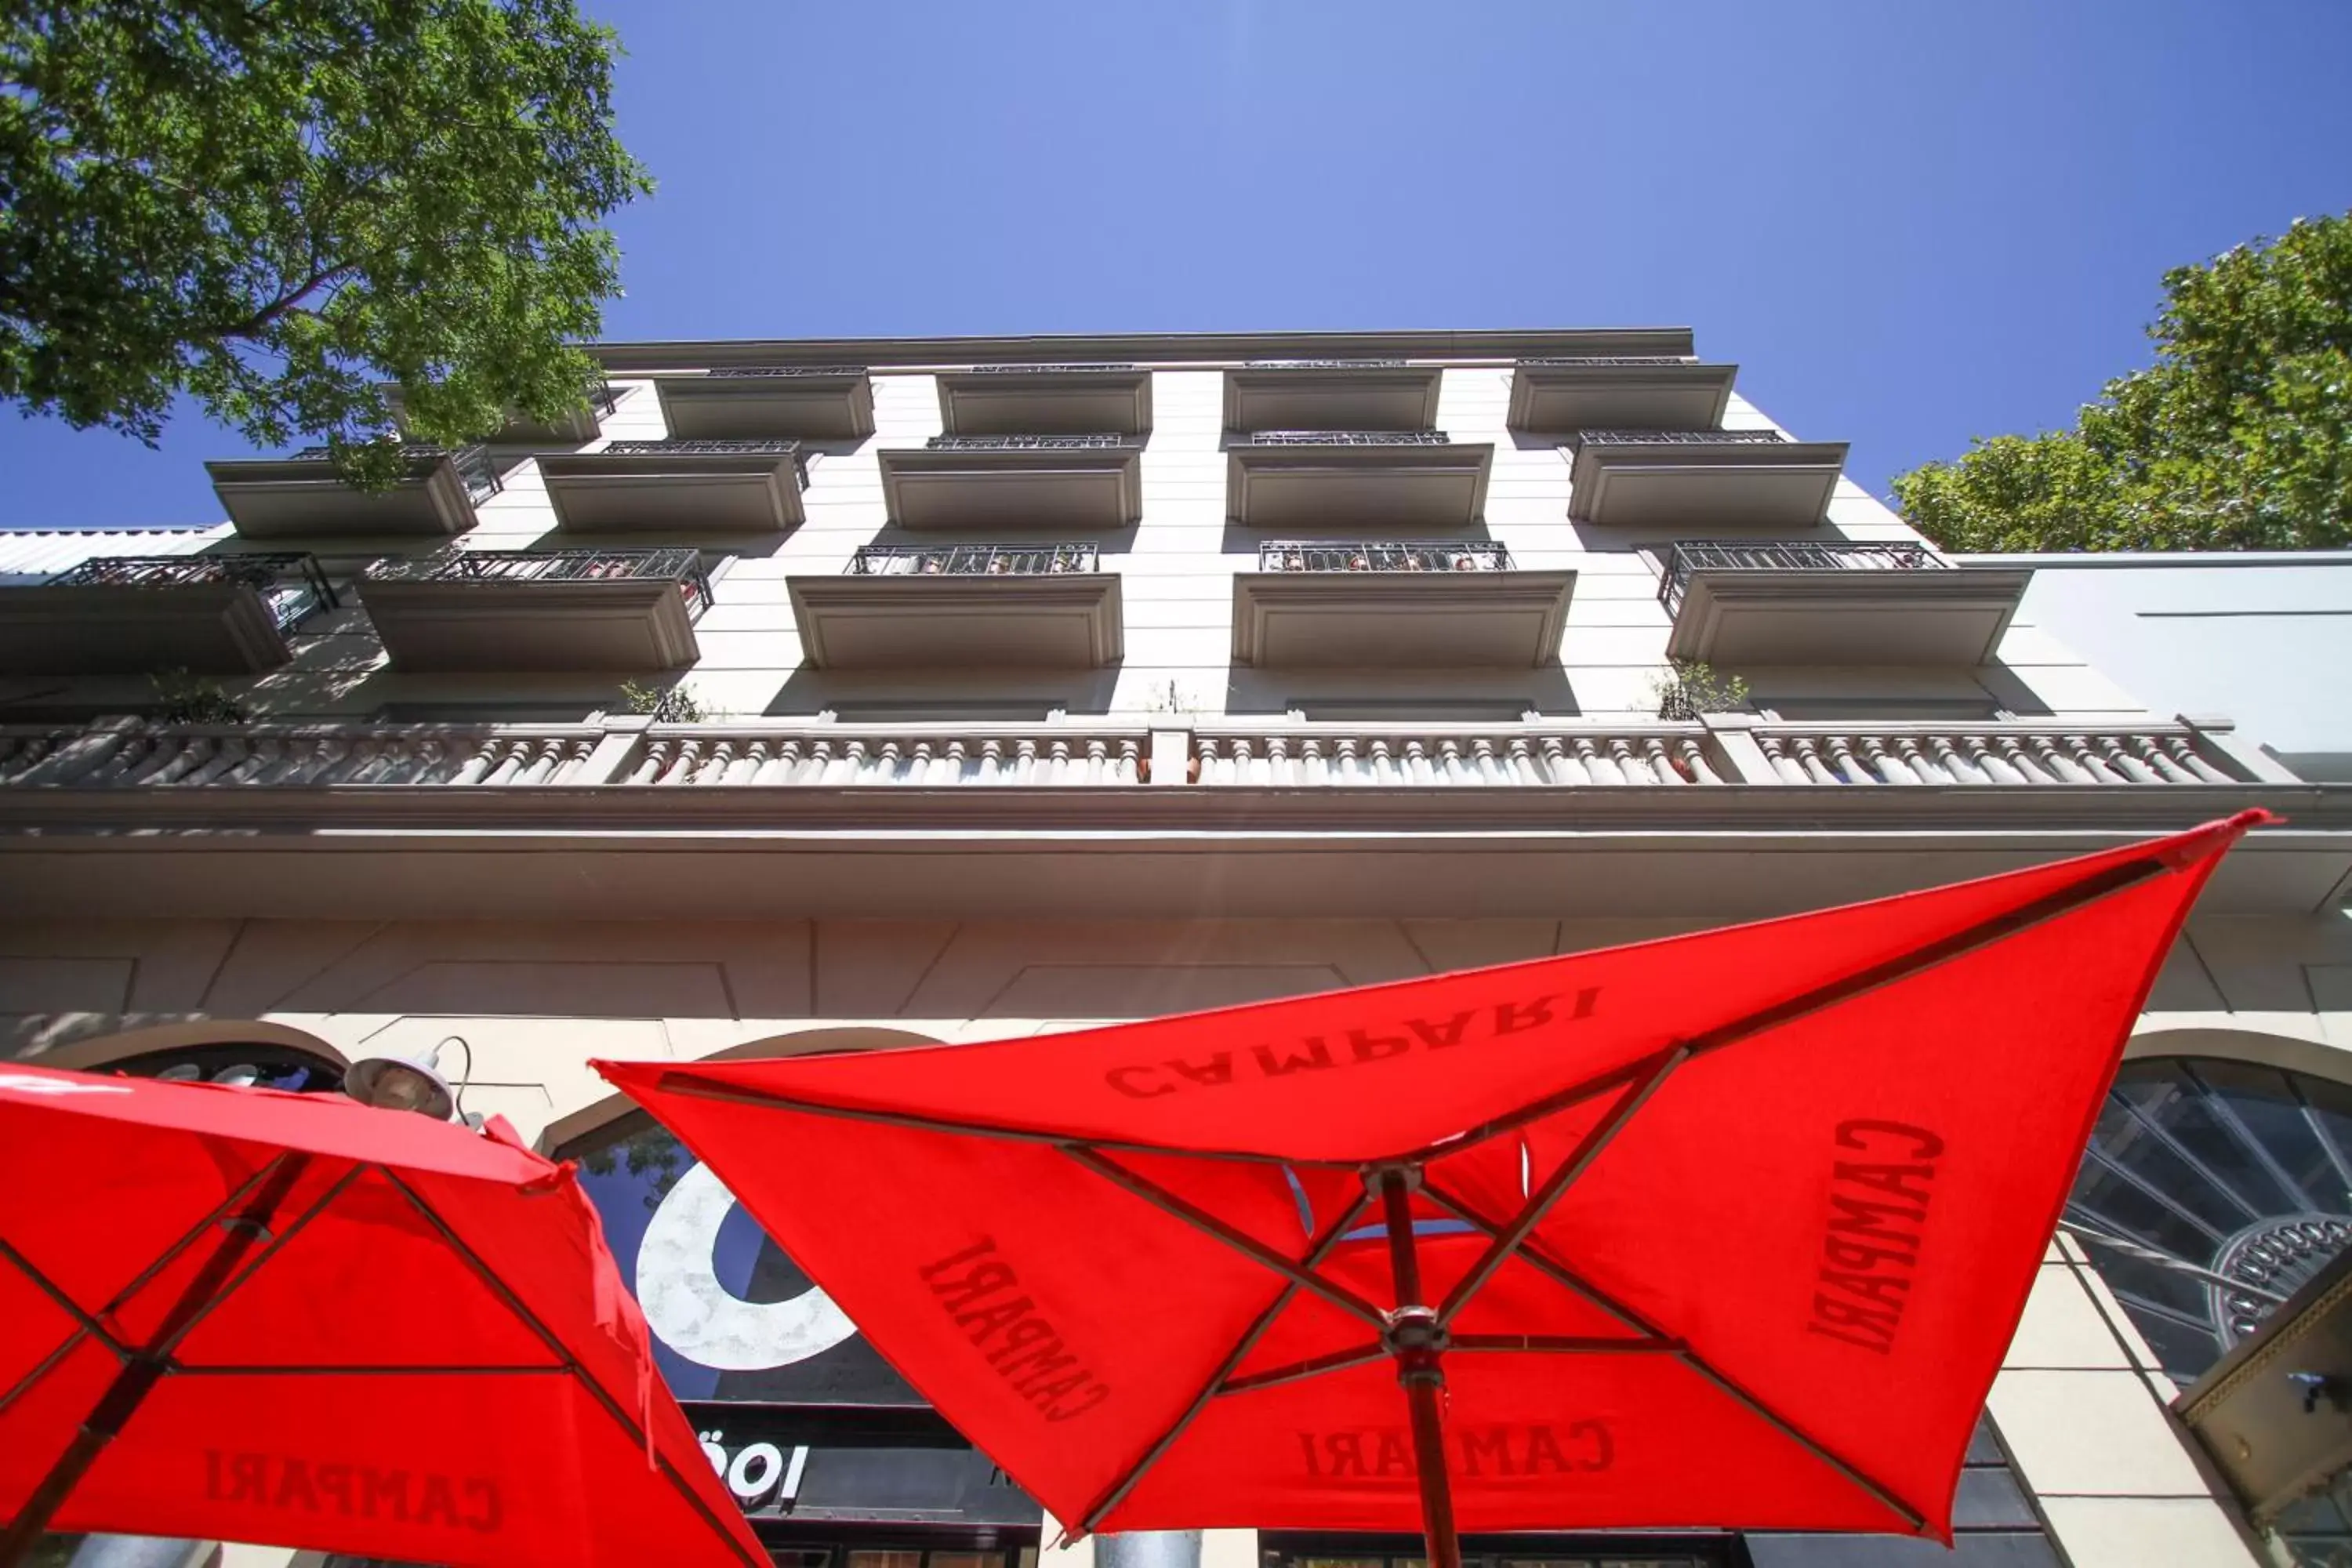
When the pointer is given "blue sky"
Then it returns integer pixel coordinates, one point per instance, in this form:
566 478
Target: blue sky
1907 223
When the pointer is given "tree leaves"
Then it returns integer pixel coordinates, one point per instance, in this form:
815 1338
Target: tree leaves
2239 437
276 208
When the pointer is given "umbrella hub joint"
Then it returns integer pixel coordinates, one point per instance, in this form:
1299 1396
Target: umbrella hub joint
1415 1337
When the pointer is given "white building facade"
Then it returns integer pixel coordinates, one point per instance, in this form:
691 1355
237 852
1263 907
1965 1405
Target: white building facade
1023 684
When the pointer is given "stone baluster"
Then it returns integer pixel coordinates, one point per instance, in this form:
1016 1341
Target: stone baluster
1311 767
1415 765
2051 755
1880 765
1347 768
1097 754
1954 767
1845 766
1660 762
1693 751
1449 769
1128 768
2184 751
651 764
827 767
2156 760
2086 756
751 759
190 754
1777 757
784 759
954 765
2120 761
1621 757
1385 771
1923 768
2021 764
228 754
1810 763
263 753
1520 763
992 769
1484 768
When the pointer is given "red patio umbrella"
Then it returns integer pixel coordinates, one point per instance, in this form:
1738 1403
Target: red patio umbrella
241 1315
1726 1230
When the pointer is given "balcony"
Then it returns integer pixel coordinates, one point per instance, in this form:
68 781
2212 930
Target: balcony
301 496
757 403
1331 394
1839 601
1091 481
532 610
1046 400
585 423
1622 393
1038 607
1348 478
1648 479
127 615
1395 606
681 487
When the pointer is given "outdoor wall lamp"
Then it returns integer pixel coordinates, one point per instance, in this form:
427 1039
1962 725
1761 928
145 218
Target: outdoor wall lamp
405 1082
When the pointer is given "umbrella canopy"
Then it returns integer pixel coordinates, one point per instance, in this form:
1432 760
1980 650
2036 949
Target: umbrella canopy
241 1315
1718 1230
1731 1230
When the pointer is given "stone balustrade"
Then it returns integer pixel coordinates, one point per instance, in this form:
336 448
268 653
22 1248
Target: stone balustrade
1503 756
129 753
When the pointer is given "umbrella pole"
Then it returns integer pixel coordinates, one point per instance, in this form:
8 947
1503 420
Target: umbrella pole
142 1369
1413 1338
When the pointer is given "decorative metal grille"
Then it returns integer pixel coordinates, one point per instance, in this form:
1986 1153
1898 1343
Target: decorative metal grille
1347 438
1040 369
2212 1191
1608 359
654 448
972 560
1024 443
786 370
1326 364
475 471
1383 555
1677 437
1787 555
292 584
681 566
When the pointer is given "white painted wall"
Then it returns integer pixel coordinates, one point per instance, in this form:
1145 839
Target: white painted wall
2265 638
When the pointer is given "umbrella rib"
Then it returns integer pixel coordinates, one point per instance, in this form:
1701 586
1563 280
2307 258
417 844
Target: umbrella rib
1539 1260
1555 1187
595 1390
184 1370
163 1259
1216 1384
2114 879
1201 1219
48 1364
679 1083
1297 1371
1724 1381
268 1249
1564 1345
47 1286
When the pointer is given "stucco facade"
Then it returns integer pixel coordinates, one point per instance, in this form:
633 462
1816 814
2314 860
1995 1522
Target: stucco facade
384 858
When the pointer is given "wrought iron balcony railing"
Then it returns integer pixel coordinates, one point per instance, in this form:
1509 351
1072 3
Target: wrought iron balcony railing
787 370
473 464
1326 364
1346 438
1675 438
972 560
292 584
1040 369
1607 359
1787 555
1026 443
683 567
1384 555
780 448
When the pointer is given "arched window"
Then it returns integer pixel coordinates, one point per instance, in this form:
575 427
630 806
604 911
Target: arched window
287 1067
2211 1191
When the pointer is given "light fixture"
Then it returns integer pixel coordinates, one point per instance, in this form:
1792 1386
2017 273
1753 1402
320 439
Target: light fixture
406 1082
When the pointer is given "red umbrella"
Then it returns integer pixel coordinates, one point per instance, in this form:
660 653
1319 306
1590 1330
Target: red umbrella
241 1315
1726 1230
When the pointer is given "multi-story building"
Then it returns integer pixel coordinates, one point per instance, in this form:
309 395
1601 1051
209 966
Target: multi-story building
820 695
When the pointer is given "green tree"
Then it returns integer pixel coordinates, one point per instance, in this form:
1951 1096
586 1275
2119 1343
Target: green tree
2238 438
276 205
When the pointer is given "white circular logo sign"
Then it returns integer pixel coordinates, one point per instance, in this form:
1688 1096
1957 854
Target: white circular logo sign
700 1319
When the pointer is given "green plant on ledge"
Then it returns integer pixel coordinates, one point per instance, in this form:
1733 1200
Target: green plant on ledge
674 706
184 699
1695 688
